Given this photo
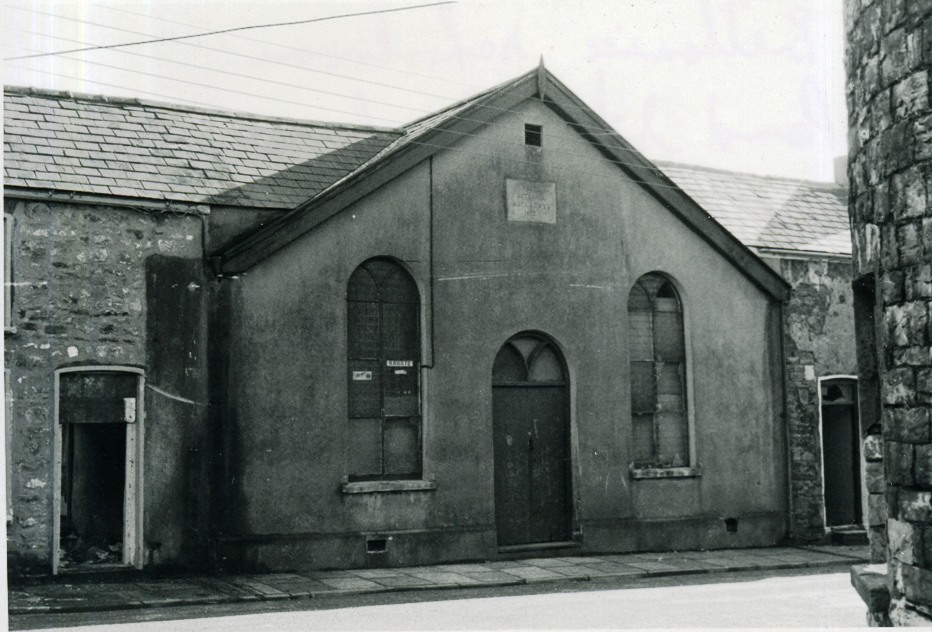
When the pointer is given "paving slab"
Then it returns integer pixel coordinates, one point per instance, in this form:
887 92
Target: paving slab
494 577
352 584
613 569
573 571
263 589
443 578
534 574
403 581
462 568
90 594
546 562
376 573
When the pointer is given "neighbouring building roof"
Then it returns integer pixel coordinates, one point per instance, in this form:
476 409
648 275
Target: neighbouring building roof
130 148
127 147
770 214
133 148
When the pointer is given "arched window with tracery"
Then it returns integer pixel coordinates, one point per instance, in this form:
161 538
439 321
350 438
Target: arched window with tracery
657 349
383 361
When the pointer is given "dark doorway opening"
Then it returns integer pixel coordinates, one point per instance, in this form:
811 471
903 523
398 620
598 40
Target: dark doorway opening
841 453
530 410
93 480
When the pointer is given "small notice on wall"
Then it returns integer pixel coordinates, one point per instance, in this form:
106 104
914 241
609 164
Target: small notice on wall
531 201
362 376
399 363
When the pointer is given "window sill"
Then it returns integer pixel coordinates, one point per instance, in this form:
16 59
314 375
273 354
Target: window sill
640 473
386 487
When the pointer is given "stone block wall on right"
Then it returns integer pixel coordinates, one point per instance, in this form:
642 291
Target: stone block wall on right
889 65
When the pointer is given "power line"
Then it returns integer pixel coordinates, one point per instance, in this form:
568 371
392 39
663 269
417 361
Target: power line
395 123
462 118
220 88
414 141
595 130
235 54
224 72
299 49
232 30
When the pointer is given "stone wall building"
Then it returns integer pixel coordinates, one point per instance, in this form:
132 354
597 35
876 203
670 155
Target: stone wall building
198 304
889 66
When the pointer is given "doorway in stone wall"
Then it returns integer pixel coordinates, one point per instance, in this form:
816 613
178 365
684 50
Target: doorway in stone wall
841 452
98 456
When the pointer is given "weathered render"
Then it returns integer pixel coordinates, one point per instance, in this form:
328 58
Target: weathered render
801 229
221 262
889 62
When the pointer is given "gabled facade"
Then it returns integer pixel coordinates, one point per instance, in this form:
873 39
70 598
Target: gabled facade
497 331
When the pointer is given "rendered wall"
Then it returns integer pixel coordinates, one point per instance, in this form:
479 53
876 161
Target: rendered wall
819 339
106 286
483 279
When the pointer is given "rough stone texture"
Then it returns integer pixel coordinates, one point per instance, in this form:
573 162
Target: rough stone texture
819 328
79 297
889 63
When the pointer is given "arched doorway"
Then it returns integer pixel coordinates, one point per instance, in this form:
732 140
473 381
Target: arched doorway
531 439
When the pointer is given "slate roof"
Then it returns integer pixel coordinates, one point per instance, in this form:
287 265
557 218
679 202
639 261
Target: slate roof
133 148
770 213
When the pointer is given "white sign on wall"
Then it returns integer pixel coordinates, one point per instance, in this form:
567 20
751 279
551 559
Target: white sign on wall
531 201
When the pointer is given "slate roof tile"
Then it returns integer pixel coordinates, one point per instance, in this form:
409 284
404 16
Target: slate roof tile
92 144
770 213
159 151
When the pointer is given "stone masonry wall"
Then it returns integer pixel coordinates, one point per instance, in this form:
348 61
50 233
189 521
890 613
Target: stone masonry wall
889 66
819 334
79 298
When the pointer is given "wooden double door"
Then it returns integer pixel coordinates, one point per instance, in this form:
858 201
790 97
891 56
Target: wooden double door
530 408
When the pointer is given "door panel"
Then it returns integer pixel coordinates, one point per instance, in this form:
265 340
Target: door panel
839 443
547 514
511 465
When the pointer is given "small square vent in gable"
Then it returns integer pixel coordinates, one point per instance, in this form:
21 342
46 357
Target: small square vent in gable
533 135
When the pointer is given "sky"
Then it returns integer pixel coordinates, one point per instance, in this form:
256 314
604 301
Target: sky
743 85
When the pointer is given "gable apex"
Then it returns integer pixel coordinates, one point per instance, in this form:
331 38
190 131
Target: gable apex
426 136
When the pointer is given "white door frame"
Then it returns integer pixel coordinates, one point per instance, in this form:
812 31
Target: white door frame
133 487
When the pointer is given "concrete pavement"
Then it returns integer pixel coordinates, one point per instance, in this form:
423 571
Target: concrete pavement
89 594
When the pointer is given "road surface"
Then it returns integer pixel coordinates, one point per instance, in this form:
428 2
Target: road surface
811 601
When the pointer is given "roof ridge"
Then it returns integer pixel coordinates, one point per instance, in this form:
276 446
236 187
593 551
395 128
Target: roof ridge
166 105
683 165
458 104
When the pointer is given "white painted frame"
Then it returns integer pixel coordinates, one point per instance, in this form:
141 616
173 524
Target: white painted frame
133 483
857 384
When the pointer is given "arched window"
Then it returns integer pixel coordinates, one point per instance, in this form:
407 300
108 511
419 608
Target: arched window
383 360
658 374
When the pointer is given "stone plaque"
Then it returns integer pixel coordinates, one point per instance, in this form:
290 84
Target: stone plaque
531 201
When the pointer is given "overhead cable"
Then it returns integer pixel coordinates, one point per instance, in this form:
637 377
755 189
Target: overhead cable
231 30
